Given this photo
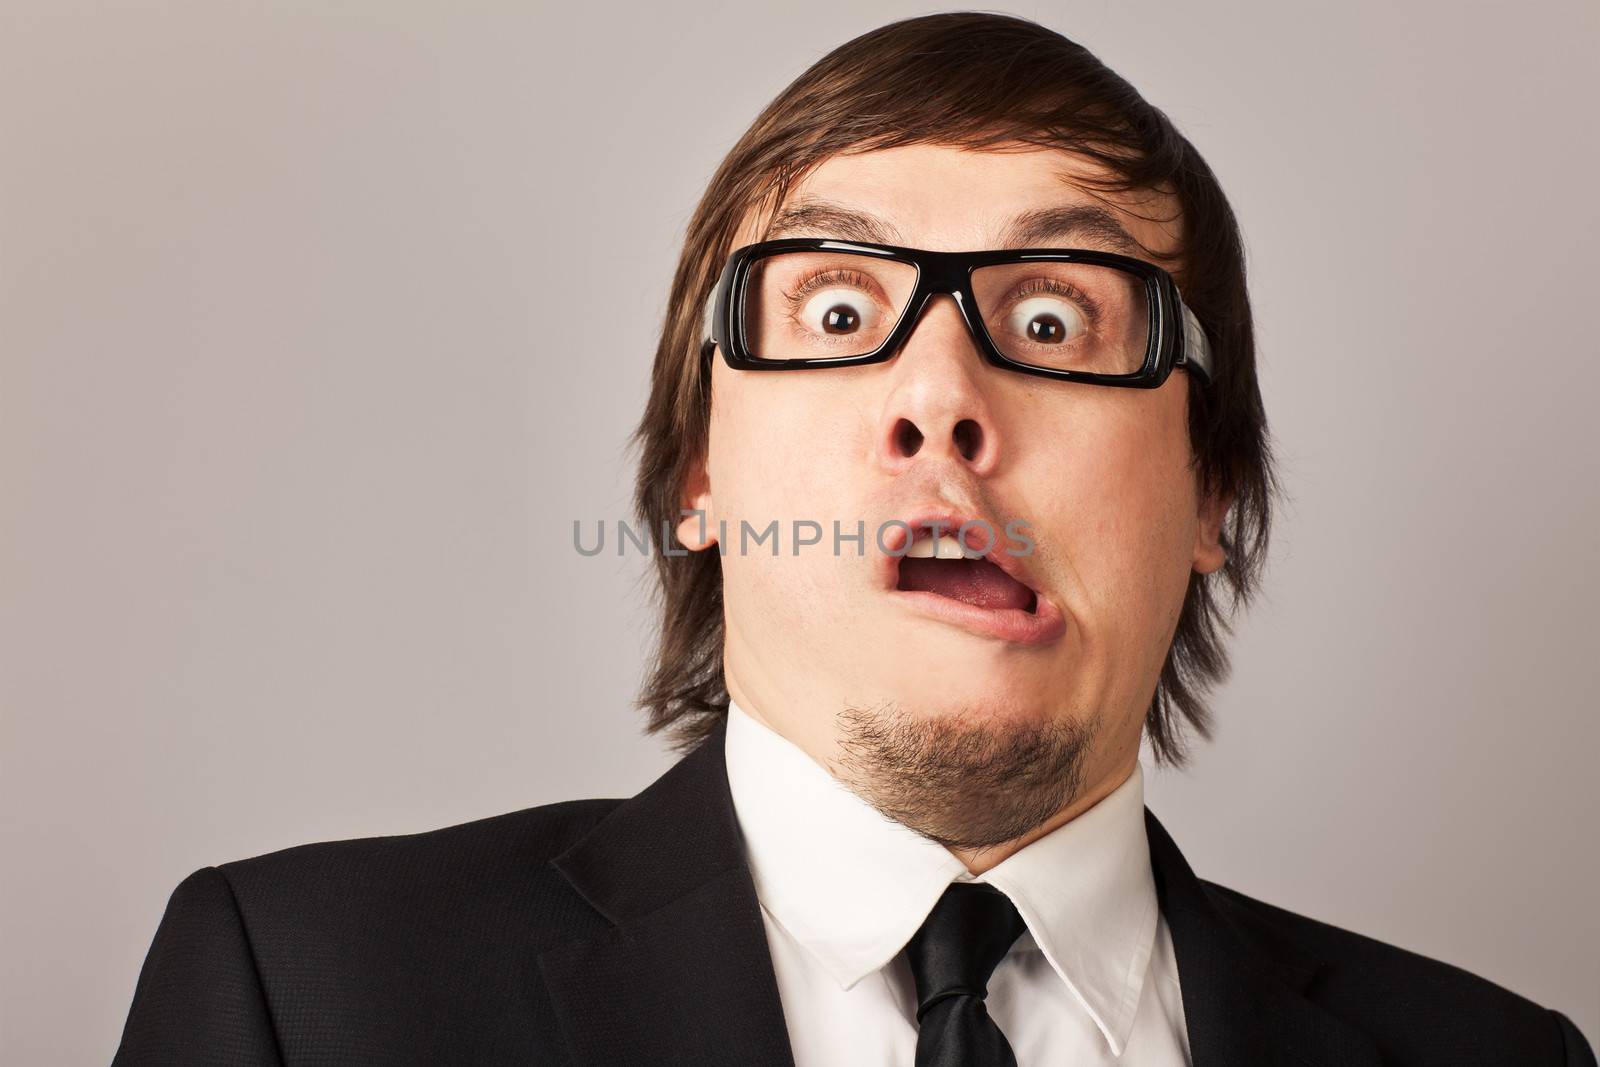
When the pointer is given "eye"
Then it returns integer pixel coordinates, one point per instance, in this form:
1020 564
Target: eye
834 303
837 311
1048 320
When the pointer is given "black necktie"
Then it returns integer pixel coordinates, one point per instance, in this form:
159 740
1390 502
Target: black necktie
966 935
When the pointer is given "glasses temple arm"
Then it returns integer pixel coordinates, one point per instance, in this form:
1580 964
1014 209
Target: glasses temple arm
1196 349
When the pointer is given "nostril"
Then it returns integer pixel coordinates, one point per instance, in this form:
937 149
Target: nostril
968 437
907 438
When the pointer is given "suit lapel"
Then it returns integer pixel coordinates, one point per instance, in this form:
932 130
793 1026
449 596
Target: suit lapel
1243 987
683 975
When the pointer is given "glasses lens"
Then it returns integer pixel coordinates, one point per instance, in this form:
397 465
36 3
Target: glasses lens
825 304
1066 316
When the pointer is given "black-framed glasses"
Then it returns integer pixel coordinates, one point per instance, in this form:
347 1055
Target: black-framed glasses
1072 314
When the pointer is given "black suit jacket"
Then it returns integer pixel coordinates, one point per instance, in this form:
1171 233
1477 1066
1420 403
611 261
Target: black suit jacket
598 932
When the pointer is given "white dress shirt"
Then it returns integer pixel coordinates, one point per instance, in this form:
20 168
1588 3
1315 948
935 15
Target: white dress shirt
842 887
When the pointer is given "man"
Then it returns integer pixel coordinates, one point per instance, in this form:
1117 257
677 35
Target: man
924 591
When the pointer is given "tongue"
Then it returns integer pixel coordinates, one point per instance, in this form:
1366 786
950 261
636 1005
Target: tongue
971 581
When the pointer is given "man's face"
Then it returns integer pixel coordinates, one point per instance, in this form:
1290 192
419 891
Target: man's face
1101 476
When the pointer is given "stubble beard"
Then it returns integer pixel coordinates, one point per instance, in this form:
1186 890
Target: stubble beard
965 780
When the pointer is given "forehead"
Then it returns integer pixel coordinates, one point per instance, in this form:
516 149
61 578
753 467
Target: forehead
946 198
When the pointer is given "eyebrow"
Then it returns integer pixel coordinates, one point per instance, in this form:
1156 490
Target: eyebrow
1072 224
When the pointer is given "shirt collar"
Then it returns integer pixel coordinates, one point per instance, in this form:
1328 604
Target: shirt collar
852 885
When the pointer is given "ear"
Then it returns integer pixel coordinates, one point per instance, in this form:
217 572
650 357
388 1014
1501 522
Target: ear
696 531
1208 552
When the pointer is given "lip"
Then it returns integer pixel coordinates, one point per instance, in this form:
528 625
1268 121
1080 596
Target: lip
1045 624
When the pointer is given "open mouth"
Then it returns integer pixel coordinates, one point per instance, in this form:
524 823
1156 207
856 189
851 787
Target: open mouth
948 568
972 582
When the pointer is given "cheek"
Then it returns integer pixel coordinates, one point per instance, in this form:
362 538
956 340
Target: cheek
787 451
784 448
1124 508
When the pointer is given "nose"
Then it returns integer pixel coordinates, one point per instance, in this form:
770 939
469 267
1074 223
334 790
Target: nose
937 408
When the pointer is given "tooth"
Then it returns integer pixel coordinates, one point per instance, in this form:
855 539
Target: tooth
946 547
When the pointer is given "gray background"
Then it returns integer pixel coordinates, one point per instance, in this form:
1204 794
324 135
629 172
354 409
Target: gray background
321 323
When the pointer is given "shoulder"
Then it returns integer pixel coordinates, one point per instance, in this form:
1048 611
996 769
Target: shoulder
368 946
1418 1008
430 881
530 835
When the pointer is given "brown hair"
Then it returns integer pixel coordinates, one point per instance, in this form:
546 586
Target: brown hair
976 80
